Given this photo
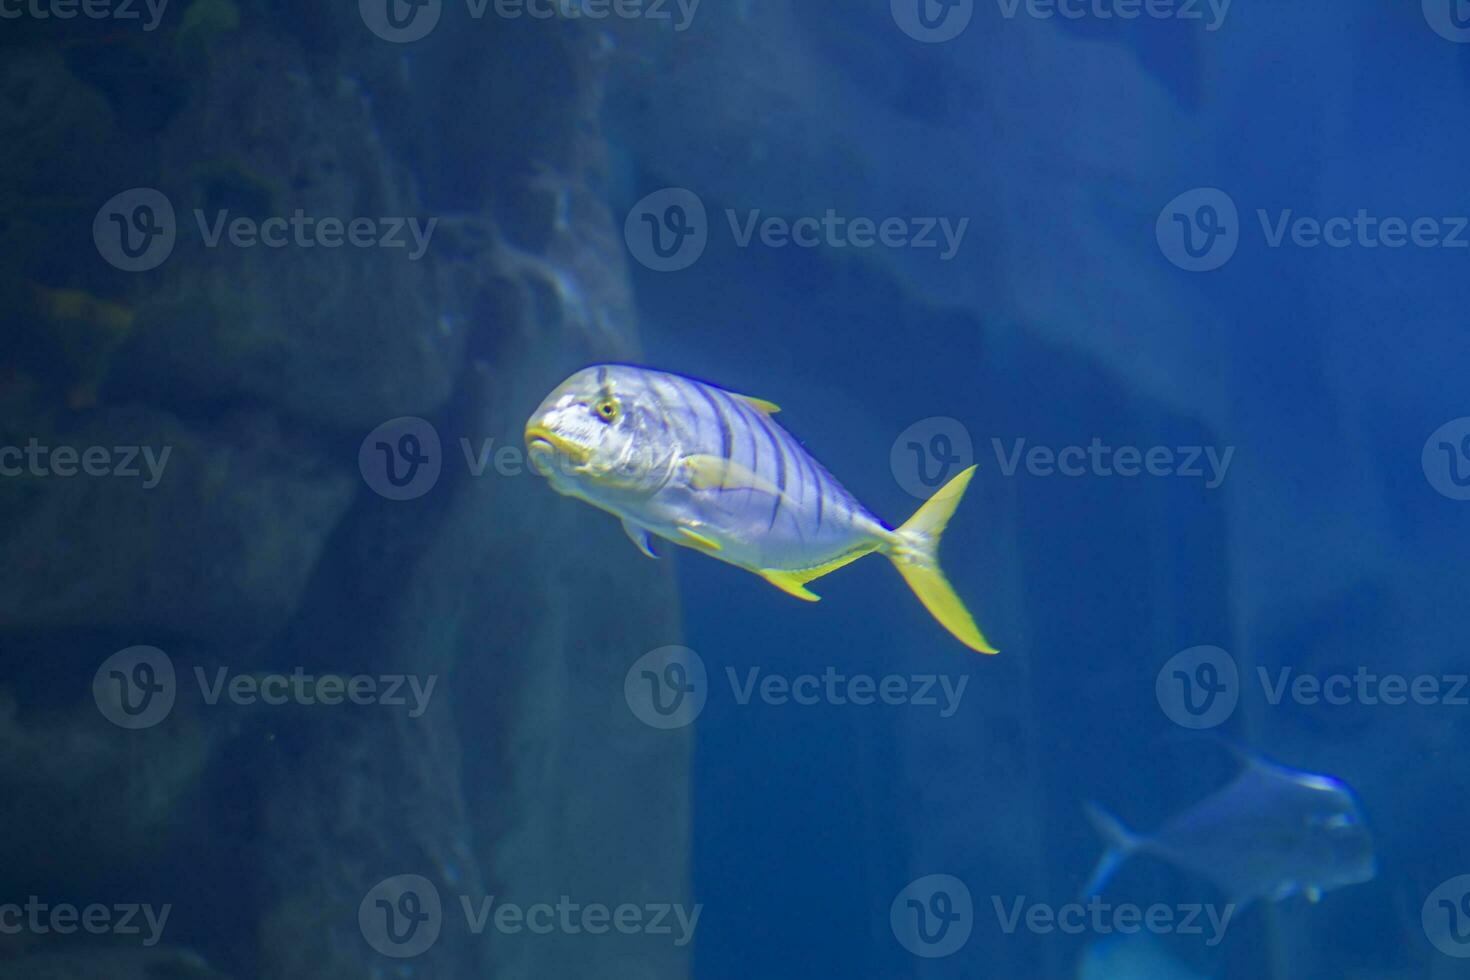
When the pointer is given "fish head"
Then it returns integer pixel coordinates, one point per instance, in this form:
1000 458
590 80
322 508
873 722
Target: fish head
602 436
1338 839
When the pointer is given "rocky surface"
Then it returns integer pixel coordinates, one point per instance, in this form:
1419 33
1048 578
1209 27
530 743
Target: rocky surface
256 545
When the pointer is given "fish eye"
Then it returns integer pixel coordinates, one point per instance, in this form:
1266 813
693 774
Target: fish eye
608 409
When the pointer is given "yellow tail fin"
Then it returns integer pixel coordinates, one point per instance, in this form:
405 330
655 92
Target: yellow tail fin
916 556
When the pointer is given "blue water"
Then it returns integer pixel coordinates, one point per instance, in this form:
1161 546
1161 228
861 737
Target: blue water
1185 281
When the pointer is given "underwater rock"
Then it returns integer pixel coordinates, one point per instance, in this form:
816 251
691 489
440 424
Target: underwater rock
571 794
488 590
110 964
529 778
67 776
54 128
130 521
335 327
51 125
366 797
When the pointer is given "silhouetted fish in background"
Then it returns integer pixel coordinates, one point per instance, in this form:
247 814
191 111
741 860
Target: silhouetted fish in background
1270 833
711 470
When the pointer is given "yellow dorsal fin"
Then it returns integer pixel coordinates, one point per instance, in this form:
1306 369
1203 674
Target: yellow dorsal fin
789 583
759 404
699 540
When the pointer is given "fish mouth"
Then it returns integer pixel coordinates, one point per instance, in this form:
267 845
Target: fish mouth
542 445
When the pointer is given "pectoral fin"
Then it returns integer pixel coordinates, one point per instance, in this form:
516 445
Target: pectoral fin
700 541
789 583
717 473
639 537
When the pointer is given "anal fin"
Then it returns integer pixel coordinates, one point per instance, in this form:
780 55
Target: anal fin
639 537
790 583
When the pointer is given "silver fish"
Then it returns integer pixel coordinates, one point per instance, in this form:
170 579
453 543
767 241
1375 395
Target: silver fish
711 470
1270 833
